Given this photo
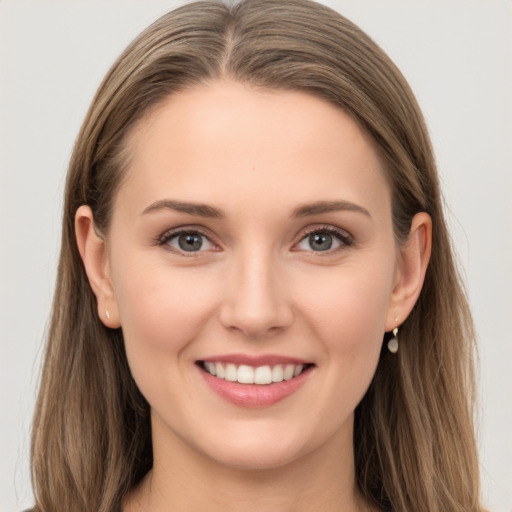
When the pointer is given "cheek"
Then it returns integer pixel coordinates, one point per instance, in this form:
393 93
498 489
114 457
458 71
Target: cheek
344 313
347 312
161 310
353 304
354 328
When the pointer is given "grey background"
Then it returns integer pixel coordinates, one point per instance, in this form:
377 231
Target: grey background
457 55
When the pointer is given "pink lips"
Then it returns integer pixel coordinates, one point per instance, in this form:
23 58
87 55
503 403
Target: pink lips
254 395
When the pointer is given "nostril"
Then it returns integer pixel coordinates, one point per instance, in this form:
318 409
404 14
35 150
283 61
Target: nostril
254 302
256 323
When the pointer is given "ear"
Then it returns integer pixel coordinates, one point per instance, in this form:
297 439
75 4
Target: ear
412 263
93 251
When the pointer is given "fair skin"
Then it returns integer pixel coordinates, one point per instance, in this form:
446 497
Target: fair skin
290 258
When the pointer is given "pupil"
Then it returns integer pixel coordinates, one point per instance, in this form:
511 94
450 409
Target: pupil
190 242
320 242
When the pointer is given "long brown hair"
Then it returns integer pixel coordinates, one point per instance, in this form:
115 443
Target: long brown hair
414 441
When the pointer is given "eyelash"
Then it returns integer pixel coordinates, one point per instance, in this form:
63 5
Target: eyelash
343 238
169 235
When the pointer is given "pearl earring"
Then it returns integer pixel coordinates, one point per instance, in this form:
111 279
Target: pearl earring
393 342
108 314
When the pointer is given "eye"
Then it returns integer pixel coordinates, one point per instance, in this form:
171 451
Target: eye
188 241
324 239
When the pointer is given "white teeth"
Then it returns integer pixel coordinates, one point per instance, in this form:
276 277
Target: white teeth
288 371
231 372
277 373
219 370
210 367
245 374
261 375
298 370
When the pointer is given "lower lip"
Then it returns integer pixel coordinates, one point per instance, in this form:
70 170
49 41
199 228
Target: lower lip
254 395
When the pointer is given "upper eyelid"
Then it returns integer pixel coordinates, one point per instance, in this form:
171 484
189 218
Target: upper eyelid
343 233
325 227
171 233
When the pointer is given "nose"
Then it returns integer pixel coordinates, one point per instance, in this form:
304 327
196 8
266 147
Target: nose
255 301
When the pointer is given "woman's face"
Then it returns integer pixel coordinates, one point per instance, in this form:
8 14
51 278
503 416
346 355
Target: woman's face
252 238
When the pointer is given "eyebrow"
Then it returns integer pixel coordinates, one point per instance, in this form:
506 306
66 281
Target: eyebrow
320 207
204 210
198 209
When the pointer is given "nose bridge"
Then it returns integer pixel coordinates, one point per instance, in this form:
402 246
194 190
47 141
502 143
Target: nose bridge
255 299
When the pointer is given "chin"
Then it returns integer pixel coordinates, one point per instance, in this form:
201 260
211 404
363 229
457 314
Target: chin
264 451
259 460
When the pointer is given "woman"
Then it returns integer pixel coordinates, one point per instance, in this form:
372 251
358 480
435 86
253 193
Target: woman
256 306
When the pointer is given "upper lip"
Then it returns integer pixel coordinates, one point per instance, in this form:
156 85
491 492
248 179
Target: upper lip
255 361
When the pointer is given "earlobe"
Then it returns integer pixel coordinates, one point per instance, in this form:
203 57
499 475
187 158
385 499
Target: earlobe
93 252
413 260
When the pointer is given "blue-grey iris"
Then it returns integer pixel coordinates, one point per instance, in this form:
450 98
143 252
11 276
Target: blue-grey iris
190 242
320 241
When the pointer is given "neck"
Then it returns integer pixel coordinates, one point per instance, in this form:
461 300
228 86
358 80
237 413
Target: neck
184 480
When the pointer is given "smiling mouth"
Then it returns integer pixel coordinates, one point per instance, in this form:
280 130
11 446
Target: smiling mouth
259 375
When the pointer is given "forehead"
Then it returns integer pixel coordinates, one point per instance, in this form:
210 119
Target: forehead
224 141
